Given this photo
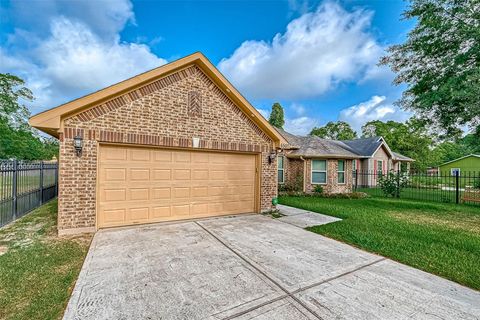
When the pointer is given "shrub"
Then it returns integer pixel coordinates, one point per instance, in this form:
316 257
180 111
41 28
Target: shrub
476 183
392 184
350 195
295 186
318 189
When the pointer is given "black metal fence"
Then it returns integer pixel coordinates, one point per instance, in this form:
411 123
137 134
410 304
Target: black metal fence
24 186
463 187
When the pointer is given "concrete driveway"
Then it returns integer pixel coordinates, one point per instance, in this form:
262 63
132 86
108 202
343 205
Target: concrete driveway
249 267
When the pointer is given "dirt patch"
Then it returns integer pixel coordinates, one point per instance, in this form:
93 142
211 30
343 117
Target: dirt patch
3 250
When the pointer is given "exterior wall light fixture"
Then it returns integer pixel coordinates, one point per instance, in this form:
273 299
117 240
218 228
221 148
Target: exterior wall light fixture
78 145
272 156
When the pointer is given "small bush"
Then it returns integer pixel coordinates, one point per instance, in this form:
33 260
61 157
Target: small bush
476 183
392 184
318 189
295 186
350 195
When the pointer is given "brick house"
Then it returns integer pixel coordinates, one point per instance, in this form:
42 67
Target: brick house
307 161
177 142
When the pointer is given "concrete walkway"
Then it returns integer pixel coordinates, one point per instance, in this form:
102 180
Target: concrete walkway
249 267
303 218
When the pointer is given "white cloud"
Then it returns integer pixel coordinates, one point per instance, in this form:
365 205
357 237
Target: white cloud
318 50
79 54
376 108
105 18
298 109
300 126
74 52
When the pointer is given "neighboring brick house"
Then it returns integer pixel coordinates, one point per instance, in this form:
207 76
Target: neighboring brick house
176 142
307 161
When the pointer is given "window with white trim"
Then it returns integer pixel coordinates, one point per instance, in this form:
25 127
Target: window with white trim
341 172
319 171
281 170
453 171
379 168
354 165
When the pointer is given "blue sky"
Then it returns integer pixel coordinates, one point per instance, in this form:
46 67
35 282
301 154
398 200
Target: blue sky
317 58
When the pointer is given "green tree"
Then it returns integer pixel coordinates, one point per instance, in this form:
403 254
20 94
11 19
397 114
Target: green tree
335 130
411 139
17 138
277 118
450 150
440 64
12 90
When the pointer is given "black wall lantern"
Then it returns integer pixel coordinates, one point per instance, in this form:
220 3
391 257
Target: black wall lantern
78 144
271 157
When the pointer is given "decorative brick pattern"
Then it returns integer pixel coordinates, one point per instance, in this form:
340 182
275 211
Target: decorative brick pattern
155 115
194 104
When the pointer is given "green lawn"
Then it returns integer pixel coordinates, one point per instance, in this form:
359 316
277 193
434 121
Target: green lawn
37 268
443 239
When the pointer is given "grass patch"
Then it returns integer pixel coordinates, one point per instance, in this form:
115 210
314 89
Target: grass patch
442 239
37 268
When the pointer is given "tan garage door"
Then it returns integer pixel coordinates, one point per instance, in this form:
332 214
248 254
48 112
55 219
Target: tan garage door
143 185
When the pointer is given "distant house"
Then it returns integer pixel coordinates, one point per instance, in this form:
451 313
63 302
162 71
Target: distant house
470 163
311 161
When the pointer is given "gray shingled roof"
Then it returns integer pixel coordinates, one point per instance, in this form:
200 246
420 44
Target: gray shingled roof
401 157
313 146
365 146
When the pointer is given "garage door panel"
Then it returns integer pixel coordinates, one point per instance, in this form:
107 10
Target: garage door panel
161 193
114 174
114 195
114 154
137 174
181 210
181 156
181 174
139 194
200 174
161 212
114 216
139 185
162 174
138 214
140 155
181 193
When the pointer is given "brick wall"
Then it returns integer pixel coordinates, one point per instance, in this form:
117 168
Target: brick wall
167 112
294 172
332 185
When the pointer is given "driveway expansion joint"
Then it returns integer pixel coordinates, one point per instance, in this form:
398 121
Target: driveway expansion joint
287 294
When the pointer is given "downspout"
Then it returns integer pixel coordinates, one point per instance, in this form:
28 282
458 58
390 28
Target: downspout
304 173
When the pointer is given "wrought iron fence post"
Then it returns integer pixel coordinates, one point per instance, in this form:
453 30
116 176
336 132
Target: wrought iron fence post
56 178
14 188
457 191
41 182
